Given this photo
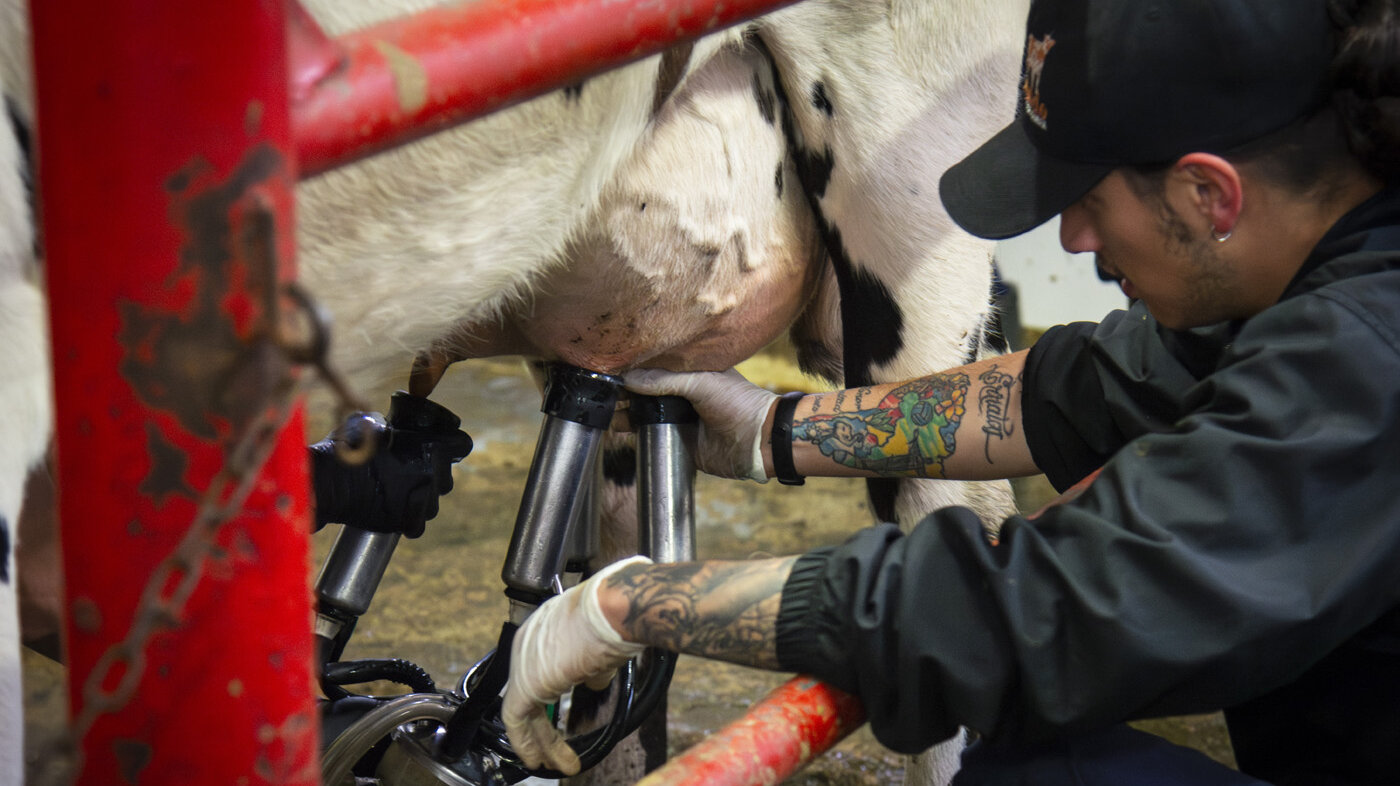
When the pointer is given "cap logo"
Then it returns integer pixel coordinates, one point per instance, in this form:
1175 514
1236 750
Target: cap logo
1036 50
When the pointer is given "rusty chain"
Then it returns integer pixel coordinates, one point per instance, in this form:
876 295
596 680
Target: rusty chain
176 577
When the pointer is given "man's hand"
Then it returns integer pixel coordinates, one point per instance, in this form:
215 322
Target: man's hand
566 642
732 413
396 488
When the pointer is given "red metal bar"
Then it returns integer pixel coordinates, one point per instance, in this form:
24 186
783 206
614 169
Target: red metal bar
795 723
407 78
167 178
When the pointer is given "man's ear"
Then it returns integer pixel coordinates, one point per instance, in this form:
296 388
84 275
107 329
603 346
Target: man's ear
1215 190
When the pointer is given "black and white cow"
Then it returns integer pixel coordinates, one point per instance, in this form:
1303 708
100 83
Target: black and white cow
684 211
788 179
24 421
599 227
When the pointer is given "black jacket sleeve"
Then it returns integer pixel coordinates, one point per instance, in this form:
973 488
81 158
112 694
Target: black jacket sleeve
1210 561
1090 388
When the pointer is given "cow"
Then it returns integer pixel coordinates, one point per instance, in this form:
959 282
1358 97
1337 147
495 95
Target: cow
788 178
684 211
592 227
24 421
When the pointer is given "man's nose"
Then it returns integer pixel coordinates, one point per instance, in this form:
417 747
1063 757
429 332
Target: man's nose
1077 233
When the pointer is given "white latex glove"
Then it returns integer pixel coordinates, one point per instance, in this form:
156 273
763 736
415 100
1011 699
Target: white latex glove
566 642
731 408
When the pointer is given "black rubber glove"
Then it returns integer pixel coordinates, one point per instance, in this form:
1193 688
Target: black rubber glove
397 488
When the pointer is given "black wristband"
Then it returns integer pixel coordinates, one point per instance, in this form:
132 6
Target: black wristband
780 440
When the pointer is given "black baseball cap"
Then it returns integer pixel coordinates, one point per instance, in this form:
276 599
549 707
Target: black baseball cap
1110 83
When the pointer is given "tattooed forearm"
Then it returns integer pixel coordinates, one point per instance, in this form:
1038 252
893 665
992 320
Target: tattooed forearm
723 610
910 431
994 403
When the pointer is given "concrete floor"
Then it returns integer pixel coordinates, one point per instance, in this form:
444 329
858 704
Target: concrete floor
440 604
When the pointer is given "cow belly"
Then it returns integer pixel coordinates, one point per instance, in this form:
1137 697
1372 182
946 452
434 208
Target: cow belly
668 322
699 253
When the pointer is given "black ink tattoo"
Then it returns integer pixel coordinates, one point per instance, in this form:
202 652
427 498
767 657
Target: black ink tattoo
994 402
860 397
722 610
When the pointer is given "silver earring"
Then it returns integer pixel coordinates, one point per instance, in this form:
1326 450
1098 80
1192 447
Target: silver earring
1220 237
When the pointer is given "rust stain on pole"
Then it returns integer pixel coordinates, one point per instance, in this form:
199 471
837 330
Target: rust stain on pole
196 355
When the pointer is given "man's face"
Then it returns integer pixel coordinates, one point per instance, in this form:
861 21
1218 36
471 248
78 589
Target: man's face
1141 241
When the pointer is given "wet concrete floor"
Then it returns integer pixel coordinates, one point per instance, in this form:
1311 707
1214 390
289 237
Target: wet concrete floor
440 604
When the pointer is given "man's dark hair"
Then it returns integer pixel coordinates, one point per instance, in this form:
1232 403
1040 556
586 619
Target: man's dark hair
1366 81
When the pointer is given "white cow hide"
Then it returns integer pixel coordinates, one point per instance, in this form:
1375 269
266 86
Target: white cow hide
25 423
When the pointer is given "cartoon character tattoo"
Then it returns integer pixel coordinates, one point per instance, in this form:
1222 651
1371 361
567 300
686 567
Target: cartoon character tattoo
910 431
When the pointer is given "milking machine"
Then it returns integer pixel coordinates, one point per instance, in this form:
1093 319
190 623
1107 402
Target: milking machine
455 736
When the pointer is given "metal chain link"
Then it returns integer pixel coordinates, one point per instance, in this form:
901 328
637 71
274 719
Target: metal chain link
177 576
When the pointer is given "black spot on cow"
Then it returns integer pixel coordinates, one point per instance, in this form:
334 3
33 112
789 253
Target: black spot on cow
4 550
972 351
814 170
1003 328
872 327
572 93
778 179
25 141
882 493
820 99
767 102
871 321
816 357
620 466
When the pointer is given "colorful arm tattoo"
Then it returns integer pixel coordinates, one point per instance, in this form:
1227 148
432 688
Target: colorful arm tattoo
908 432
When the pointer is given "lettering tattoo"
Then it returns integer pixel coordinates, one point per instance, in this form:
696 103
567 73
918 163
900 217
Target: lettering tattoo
910 431
722 610
994 403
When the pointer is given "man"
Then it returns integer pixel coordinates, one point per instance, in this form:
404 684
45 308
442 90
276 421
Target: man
1234 540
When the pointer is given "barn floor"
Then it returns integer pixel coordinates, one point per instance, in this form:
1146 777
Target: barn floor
440 604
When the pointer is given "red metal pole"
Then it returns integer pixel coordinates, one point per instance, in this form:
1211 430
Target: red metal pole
167 177
795 723
409 77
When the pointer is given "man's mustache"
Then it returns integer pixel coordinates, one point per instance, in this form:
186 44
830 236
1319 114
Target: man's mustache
1104 270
